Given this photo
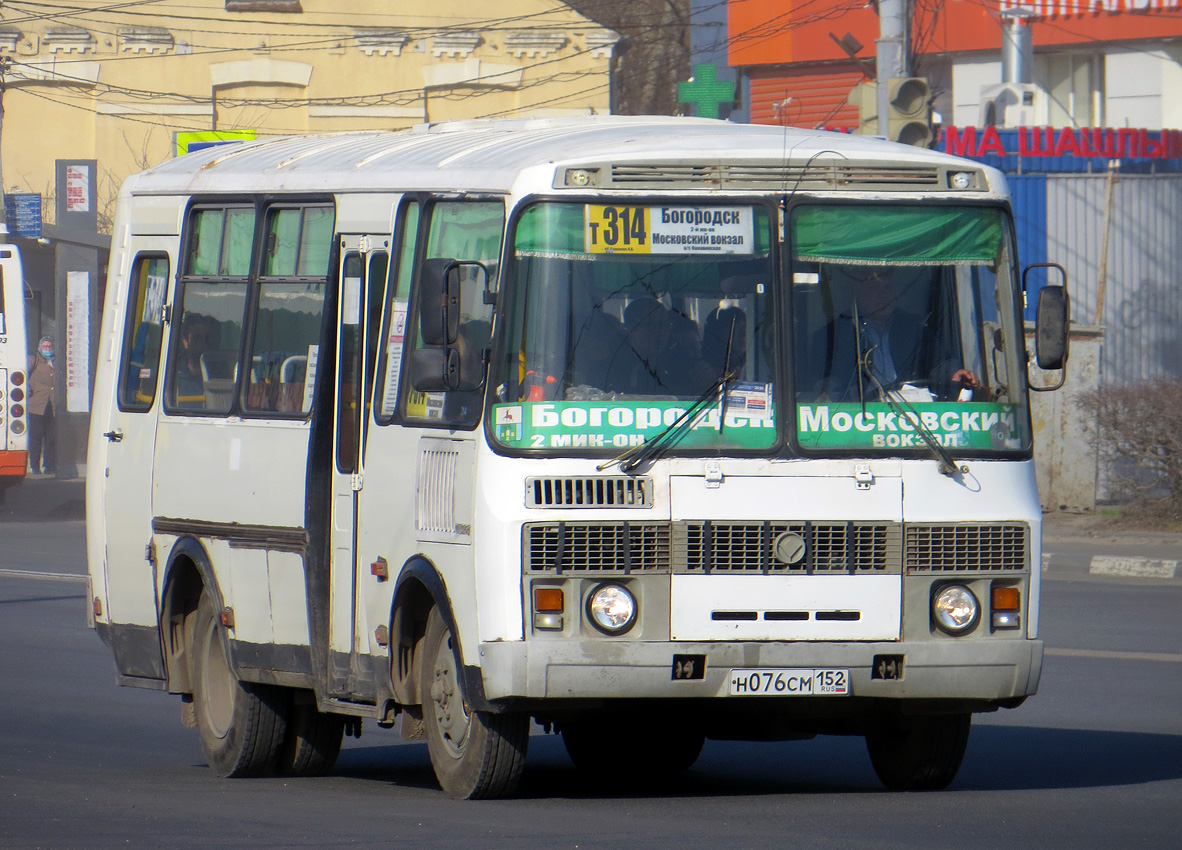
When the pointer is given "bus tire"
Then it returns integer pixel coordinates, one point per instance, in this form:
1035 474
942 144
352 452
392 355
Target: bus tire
639 749
241 724
475 754
313 741
920 753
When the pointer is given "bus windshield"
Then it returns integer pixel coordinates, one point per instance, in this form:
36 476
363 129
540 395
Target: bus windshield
628 319
906 331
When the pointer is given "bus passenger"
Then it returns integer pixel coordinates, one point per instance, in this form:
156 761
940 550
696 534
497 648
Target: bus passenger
199 333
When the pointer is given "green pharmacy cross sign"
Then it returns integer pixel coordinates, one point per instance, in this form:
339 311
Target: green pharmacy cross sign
705 91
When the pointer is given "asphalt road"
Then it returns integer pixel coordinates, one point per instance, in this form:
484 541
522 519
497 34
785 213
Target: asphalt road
1093 761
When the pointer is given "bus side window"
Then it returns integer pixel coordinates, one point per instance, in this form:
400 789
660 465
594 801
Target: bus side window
285 342
290 310
397 298
203 366
470 232
144 329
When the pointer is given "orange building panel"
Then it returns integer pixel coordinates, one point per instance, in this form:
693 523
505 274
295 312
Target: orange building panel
812 99
780 32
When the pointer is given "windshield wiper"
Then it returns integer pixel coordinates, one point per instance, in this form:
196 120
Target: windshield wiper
948 464
862 359
652 449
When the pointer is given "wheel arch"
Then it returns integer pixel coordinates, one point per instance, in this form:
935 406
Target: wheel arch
188 573
419 588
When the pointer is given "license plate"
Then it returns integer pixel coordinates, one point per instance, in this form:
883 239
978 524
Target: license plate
789 682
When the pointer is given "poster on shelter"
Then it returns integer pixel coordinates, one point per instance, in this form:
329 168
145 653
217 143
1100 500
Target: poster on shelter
78 188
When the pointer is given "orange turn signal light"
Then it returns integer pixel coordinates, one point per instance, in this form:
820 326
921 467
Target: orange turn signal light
1006 599
548 599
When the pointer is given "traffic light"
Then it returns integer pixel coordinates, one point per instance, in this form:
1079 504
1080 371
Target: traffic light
865 97
909 111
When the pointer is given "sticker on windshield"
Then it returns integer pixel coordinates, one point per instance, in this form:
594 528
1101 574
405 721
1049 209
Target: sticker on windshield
612 229
963 425
625 424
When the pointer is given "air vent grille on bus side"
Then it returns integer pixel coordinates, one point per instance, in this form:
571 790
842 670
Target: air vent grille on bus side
435 509
589 492
774 178
966 547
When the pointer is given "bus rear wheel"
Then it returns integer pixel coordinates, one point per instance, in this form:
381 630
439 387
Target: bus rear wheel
920 753
313 741
241 724
475 754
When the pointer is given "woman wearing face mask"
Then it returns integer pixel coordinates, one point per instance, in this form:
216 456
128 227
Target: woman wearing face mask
42 433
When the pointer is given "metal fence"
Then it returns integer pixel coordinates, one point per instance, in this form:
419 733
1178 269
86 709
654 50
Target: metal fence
1141 311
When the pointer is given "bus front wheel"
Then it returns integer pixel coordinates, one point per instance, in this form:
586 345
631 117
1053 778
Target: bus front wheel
475 754
241 724
921 753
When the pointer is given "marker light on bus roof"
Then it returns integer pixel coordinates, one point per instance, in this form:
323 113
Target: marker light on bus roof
961 180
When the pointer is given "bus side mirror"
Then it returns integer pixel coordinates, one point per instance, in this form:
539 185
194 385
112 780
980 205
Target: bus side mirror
1052 320
435 370
439 298
1050 328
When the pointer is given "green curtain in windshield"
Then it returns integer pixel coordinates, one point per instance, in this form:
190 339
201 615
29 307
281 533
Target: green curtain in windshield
551 229
885 235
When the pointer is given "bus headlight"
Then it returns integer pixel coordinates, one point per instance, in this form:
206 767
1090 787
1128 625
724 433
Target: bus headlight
955 609
612 609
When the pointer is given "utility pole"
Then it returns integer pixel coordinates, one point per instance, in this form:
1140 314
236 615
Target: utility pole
891 47
5 68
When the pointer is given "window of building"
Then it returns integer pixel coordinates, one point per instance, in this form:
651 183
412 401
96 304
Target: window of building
1074 83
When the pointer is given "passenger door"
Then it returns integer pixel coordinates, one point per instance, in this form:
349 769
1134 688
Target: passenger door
363 264
121 454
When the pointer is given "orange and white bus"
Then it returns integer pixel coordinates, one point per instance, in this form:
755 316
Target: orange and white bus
14 353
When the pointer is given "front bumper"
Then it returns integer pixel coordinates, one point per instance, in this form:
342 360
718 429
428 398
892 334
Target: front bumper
985 670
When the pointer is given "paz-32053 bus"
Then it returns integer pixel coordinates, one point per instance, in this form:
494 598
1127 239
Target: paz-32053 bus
649 430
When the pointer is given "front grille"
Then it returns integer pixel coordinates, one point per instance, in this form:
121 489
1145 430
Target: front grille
854 548
750 547
589 492
584 547
966 547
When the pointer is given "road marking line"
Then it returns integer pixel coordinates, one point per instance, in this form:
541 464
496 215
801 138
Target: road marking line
1174 657
43 576
1140 567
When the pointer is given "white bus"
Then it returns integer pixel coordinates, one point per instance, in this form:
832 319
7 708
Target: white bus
14 354
582 421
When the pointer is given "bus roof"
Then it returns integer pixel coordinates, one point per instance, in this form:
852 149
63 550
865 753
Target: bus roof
620 152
